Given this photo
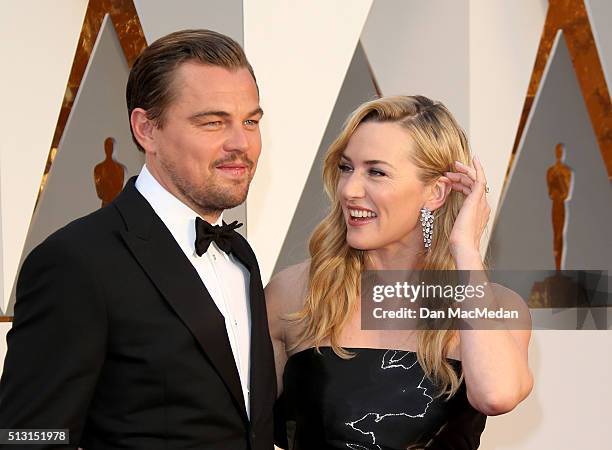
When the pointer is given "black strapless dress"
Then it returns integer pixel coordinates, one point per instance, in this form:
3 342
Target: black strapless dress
378 400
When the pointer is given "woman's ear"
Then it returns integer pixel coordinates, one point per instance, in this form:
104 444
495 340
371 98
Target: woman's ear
438 193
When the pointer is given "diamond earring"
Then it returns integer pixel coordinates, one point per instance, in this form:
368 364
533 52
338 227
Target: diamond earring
427 223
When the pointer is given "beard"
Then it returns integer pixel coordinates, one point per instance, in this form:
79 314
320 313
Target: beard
213 194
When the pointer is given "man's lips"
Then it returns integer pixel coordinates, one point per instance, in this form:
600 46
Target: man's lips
232 166
233 169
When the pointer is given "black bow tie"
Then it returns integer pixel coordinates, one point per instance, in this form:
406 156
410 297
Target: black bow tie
223 235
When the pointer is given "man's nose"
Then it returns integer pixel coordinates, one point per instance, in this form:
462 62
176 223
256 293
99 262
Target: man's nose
352 186
237 139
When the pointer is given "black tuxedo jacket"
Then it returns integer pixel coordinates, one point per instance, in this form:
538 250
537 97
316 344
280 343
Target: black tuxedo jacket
116 338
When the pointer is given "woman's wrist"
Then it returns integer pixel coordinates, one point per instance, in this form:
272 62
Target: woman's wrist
467 258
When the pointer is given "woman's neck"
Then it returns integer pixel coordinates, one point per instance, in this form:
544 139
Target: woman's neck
404 255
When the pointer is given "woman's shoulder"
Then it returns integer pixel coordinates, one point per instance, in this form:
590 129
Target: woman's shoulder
511 300
295 273
520 324
287 289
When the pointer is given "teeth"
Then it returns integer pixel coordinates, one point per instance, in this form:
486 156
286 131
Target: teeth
361 213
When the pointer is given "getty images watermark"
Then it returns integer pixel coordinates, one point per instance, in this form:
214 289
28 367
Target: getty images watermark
484 300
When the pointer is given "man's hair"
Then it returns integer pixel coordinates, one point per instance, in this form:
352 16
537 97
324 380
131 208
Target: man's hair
150 85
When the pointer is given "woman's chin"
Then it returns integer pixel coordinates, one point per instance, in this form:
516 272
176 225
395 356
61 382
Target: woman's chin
360 244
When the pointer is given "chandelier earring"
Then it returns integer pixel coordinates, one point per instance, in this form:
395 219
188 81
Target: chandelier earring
427 224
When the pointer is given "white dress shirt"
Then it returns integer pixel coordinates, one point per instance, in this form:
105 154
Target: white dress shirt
225 278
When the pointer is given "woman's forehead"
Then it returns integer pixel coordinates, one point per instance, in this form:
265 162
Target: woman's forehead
379 141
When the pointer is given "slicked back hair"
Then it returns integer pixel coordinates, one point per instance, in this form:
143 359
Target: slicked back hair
150 84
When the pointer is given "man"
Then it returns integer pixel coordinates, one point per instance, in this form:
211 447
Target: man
132 329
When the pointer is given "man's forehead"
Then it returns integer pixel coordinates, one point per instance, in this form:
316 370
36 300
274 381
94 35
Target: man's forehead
198 87
212 79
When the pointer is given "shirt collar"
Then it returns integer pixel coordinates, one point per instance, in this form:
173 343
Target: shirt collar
176 215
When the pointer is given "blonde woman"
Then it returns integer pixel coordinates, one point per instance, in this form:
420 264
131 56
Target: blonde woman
344 387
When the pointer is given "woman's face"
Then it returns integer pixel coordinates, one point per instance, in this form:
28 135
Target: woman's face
379 190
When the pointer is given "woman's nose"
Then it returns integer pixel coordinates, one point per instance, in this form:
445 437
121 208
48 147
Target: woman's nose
352 186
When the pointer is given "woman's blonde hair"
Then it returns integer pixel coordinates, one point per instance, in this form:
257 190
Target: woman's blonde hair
335 268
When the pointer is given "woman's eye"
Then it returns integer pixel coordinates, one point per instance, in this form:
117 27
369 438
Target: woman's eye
344 167
377 173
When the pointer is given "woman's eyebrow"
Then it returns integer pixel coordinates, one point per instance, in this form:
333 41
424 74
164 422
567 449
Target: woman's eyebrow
370 162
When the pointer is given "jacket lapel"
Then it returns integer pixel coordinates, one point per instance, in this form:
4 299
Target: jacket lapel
263 376
170 271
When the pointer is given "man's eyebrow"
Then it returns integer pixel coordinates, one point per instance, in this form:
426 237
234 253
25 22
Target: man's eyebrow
256 111
220 113
370 162
211 112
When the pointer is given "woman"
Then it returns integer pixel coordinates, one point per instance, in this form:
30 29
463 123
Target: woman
398 159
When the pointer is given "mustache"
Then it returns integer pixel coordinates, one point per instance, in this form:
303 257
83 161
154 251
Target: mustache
232 159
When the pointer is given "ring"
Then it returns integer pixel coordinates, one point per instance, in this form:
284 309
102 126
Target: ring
487 189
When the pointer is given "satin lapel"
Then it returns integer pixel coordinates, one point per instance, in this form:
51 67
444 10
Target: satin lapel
262 357
177 280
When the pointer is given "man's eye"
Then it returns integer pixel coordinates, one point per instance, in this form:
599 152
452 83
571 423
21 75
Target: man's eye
213 124
344 167
251 122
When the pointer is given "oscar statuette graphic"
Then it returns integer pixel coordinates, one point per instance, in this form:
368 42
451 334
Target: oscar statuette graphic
559 180
109 175
557 291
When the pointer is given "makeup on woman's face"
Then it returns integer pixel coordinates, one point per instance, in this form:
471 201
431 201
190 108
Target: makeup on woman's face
379 190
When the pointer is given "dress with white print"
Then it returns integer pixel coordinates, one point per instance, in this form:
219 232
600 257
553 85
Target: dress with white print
378 400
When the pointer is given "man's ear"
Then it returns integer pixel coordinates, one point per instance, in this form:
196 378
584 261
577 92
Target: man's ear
438 193
143 128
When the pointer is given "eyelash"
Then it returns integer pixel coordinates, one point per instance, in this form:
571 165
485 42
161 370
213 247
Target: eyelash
345 168
218 123
379 173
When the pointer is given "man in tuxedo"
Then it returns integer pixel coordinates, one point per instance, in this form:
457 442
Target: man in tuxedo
143 325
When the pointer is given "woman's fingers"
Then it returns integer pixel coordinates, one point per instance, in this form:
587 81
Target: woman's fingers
468 179
481 180
460 187
480 175
460 178
469 171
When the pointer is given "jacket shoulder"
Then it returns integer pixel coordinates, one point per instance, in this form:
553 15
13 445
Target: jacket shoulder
91 231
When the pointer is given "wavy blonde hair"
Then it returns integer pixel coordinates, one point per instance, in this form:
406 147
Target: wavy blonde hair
335 268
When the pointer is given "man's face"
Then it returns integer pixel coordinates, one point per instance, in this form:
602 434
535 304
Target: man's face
206 151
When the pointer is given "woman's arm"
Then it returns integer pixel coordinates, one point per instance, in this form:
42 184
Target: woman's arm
284 295
495 361
274 294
